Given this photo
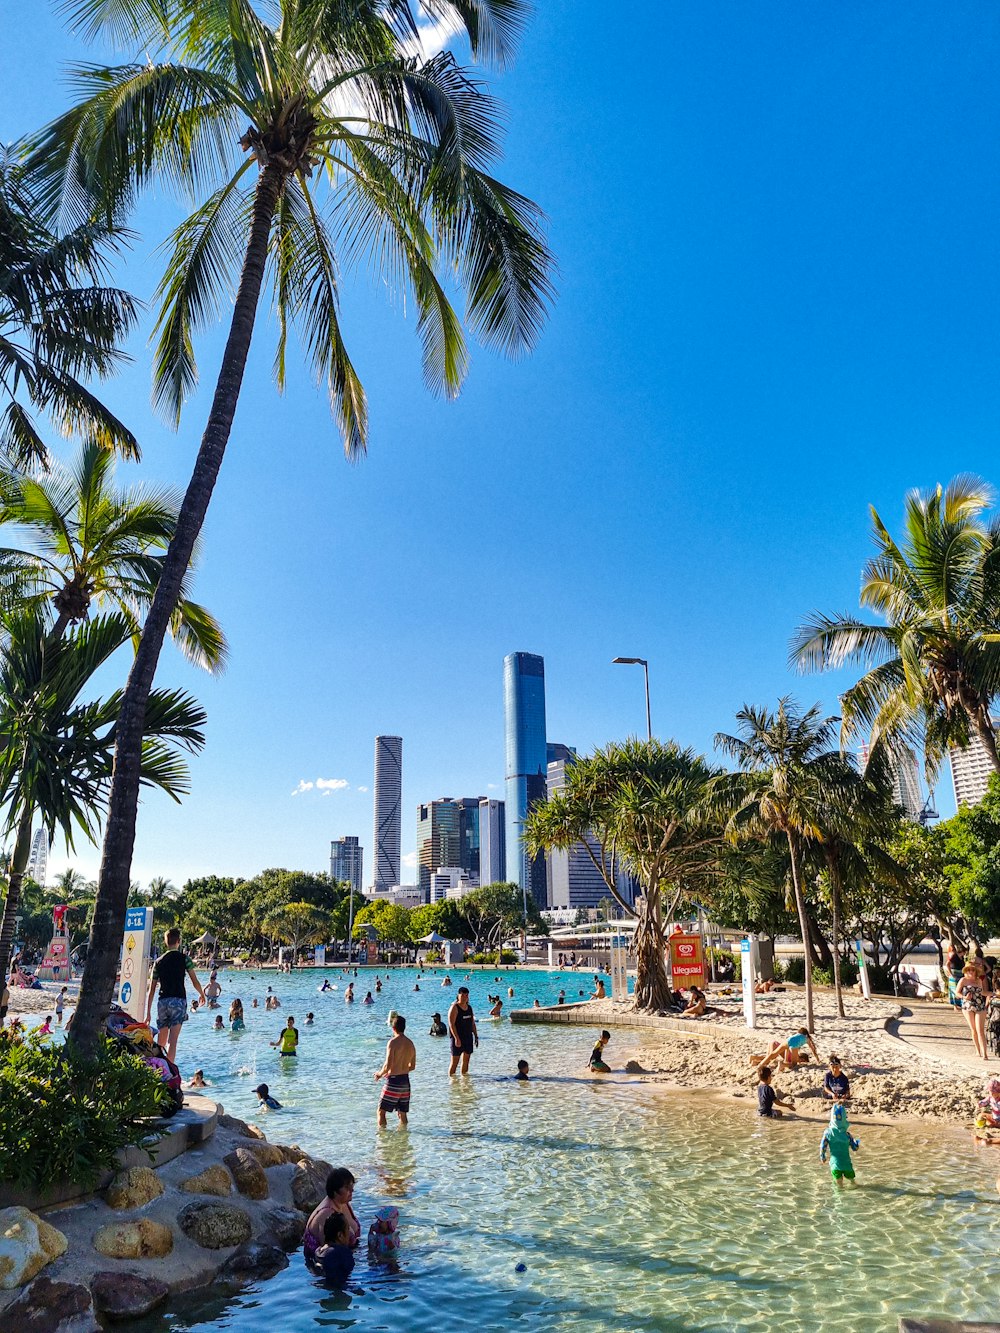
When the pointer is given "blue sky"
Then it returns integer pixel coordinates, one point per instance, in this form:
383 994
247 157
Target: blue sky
778 302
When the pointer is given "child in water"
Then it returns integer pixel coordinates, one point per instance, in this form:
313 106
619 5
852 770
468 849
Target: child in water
264 1099
218 1025
289 1038
597 1063
522 1070
334 1258
383 1234
839 1143
236 1021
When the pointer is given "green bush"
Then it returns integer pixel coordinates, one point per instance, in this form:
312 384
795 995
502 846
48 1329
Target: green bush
506 956
823 976
63 1117
795 970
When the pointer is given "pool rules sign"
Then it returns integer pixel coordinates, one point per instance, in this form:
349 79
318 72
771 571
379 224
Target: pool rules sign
134 967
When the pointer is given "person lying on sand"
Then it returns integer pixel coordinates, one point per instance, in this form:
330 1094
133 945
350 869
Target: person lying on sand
787 1054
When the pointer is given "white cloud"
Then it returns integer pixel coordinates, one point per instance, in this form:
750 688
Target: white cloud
409 860
492 786
362 789
331 784
434 36
303 786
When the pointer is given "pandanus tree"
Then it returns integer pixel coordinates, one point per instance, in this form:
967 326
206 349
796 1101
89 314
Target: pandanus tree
312 136
790 776
87 542
934 664
637 808
57 746
60 324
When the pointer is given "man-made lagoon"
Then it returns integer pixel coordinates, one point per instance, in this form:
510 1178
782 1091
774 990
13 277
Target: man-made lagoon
631 1207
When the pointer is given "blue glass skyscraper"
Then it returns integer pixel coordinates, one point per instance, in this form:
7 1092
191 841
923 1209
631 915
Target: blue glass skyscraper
524 725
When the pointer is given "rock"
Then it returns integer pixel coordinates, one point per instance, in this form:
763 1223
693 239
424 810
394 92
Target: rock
126 1295
293 1153
27 1244
267 1154
232 1122
286 1225
214 1179
308 1186
132 1188
52 1307
214 1226
142 1239
248 1173
256 1259
634 1067
255 1132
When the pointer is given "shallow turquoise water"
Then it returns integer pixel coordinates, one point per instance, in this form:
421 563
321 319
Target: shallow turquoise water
633 1208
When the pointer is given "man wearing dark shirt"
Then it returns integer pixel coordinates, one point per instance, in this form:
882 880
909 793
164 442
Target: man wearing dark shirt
169 973
836 1084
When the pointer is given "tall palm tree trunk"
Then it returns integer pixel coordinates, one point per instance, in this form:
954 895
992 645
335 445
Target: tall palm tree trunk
834 870
800 907
97 988
652 988
22 850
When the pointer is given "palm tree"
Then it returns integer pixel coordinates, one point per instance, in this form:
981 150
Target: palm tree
791 774
330 97
934 666
91 542
59 324
636 807
57 751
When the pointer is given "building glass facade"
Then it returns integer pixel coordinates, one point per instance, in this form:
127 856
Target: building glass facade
448 836
492 842
526 761
346 862
388 802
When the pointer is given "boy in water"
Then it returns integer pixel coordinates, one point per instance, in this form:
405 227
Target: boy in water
289 1038
767 1098
597 1063
334 1257
522 1070
265 1101
400 1058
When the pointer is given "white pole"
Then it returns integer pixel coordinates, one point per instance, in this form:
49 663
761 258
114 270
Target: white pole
350 925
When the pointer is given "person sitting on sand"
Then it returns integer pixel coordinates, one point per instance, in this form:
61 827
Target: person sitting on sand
522 1070
599 992
768 1098
698 1005
788 1054
335 1258
765 987
836 1084
597 1063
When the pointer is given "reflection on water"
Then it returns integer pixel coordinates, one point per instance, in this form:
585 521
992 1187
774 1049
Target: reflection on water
630 1208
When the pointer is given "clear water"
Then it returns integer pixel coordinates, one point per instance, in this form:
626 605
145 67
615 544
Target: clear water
631 1207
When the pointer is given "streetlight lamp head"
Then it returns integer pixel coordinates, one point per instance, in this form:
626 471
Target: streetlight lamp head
627 661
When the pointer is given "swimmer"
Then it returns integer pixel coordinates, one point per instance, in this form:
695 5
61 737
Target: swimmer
334 1258
236 1020
310 1019
326 985
265 1101
510 992
197 1079
438 1028
597 1063
368 999
349 993
522 1070
378 986
497 1010
289 1038
218 1026
416 986
537 1004
599 992
400 1060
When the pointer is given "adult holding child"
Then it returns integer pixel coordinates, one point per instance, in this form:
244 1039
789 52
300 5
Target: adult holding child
170 971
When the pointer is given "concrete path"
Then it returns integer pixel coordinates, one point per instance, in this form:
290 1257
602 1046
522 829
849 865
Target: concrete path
939 1030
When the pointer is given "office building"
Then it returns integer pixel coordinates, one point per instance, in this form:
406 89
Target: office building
38 859
448 835
971 770
402 895
346 862
451 882
906 789
492 842
574 880
388 810
526 760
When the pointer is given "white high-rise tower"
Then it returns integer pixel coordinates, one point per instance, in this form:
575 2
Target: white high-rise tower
971 770
388 811
38 860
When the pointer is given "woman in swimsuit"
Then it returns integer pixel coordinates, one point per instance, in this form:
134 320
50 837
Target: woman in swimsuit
339 1192
972 990
787 1054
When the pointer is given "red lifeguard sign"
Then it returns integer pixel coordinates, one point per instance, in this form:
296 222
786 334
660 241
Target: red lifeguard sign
687 963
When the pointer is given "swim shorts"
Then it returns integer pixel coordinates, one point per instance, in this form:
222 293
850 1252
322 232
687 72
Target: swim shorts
599 1067
171 1011
847 1174
395 1093
461 1048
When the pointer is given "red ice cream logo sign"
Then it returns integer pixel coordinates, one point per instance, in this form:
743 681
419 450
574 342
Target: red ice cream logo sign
685 959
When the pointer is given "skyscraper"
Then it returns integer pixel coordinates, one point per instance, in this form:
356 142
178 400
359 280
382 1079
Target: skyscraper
573 878
906 790
346 862
38 859
524 733
388 810
971 770
448 836
492 837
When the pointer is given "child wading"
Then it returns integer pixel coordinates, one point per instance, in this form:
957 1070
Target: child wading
839 1143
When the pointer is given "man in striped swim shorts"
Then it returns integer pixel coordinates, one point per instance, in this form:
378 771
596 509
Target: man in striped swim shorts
400 1058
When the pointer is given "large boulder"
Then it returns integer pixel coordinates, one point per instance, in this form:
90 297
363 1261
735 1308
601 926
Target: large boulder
248 1173
286 1225
143 1239
267 1154
233 1122
126 1295
291 1153
51 1307
214 1226
214 1179
256 1259
309 1183
27 1244
132 1188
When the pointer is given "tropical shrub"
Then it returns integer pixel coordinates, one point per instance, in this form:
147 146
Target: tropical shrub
506 956
64 1116
823 976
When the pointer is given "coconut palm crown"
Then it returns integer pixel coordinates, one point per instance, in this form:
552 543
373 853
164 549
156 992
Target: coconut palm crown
934 664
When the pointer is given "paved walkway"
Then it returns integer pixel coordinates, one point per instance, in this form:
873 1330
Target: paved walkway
939 1030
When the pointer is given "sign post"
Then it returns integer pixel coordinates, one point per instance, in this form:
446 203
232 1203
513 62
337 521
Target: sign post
687 960
748 975
319 956
619 968
866 989
136 947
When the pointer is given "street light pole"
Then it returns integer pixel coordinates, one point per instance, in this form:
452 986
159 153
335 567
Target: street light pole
638 661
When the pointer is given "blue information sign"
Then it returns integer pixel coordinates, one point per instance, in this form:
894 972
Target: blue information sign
126 992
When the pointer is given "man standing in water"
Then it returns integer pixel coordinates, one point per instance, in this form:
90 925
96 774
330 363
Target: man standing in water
400 1058
169 973
463 1031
